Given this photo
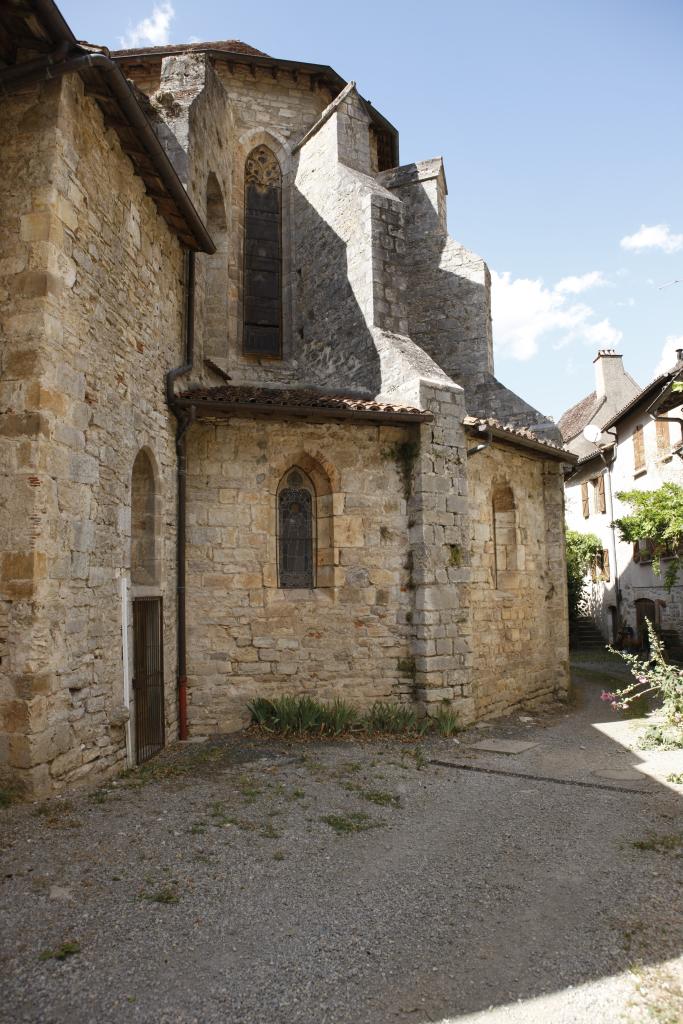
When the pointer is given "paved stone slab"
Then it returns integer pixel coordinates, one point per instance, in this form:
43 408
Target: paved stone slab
503 746
619 774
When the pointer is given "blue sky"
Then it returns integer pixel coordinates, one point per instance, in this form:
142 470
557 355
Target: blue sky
560 126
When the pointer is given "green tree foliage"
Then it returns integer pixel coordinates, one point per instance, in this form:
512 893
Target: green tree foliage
656 516
582 548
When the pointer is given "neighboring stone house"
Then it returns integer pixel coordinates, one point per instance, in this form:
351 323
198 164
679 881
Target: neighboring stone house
251 439
639 447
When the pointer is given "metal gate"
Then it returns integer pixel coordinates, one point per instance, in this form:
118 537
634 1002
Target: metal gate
148 676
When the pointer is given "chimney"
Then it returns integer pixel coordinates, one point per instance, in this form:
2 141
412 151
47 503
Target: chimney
609 373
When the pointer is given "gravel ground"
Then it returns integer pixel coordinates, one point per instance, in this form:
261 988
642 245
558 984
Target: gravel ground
342 883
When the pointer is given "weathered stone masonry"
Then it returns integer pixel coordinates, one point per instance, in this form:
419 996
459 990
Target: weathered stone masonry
436 530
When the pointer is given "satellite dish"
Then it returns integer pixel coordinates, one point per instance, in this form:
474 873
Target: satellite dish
592 433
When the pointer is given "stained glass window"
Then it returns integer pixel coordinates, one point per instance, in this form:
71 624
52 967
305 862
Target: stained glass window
262 254
295 532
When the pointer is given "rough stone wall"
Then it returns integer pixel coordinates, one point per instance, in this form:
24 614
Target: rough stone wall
351 635
93 319
519 628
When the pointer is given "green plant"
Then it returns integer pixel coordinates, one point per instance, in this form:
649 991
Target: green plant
338 717
62 952
8 797
418 755
676 778
656 516
653 676
165 894
391 718
581 549
380 797
404 454
446 721
355 821
455 556
660 843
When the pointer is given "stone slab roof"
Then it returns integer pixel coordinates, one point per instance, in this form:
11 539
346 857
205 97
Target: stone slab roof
229 45
572 422
296 401
519 435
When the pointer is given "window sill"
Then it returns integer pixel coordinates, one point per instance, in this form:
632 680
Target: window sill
639 472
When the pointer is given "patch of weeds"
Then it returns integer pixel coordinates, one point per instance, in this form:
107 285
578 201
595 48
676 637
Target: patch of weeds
278 855
62 952
455 555
296 794
676 778
394 719
661 737
446 721
249 791
660 843
380 797
241 823
302 716
165 894
404 453
8 796
355 821
268 832
418 756
197 828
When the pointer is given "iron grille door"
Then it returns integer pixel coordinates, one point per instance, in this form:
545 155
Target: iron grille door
148 678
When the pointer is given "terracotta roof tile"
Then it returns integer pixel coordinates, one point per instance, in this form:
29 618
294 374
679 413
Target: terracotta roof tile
509 428
295 398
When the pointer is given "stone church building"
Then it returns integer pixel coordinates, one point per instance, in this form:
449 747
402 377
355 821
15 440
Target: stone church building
251 442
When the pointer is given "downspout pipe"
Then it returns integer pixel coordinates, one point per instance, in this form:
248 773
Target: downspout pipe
52 67
185 419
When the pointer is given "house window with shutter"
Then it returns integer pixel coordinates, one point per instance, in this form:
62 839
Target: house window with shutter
585 506
663 441
638 450
599 492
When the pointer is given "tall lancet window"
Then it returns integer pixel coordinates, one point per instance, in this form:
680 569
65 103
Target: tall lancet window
262 255
296 531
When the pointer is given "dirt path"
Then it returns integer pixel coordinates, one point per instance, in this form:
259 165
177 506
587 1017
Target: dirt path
241 881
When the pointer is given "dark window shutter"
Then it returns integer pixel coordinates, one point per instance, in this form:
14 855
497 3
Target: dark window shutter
638 450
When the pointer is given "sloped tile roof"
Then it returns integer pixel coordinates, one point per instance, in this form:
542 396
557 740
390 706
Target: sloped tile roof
572 422
522 433
247 397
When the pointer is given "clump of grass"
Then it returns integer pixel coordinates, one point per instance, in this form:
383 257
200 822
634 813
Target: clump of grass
380 797
269 832
395 719
165 894
62 952
446 721
661 737
660 843
676 778
278 855
355 821
303 715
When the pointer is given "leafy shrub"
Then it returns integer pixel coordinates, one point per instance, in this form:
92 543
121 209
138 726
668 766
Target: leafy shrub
653 676
656 516
581 549
303 715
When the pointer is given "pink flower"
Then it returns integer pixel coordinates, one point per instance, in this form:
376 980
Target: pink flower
606 695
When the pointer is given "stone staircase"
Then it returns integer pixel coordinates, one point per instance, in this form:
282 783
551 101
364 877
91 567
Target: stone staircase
584 635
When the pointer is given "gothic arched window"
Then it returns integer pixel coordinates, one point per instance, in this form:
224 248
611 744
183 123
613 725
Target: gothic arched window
296 531
262 254
145 553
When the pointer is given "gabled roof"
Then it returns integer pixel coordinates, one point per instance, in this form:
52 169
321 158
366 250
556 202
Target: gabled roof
229 399
650 393
229 45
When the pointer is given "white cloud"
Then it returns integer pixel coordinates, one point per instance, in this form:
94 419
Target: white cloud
658 236
524 310
575 285
668 355
153 31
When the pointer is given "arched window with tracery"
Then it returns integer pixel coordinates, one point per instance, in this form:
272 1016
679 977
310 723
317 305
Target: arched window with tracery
296 507
262 334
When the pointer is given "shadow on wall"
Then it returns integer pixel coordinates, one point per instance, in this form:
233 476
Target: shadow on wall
332 343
